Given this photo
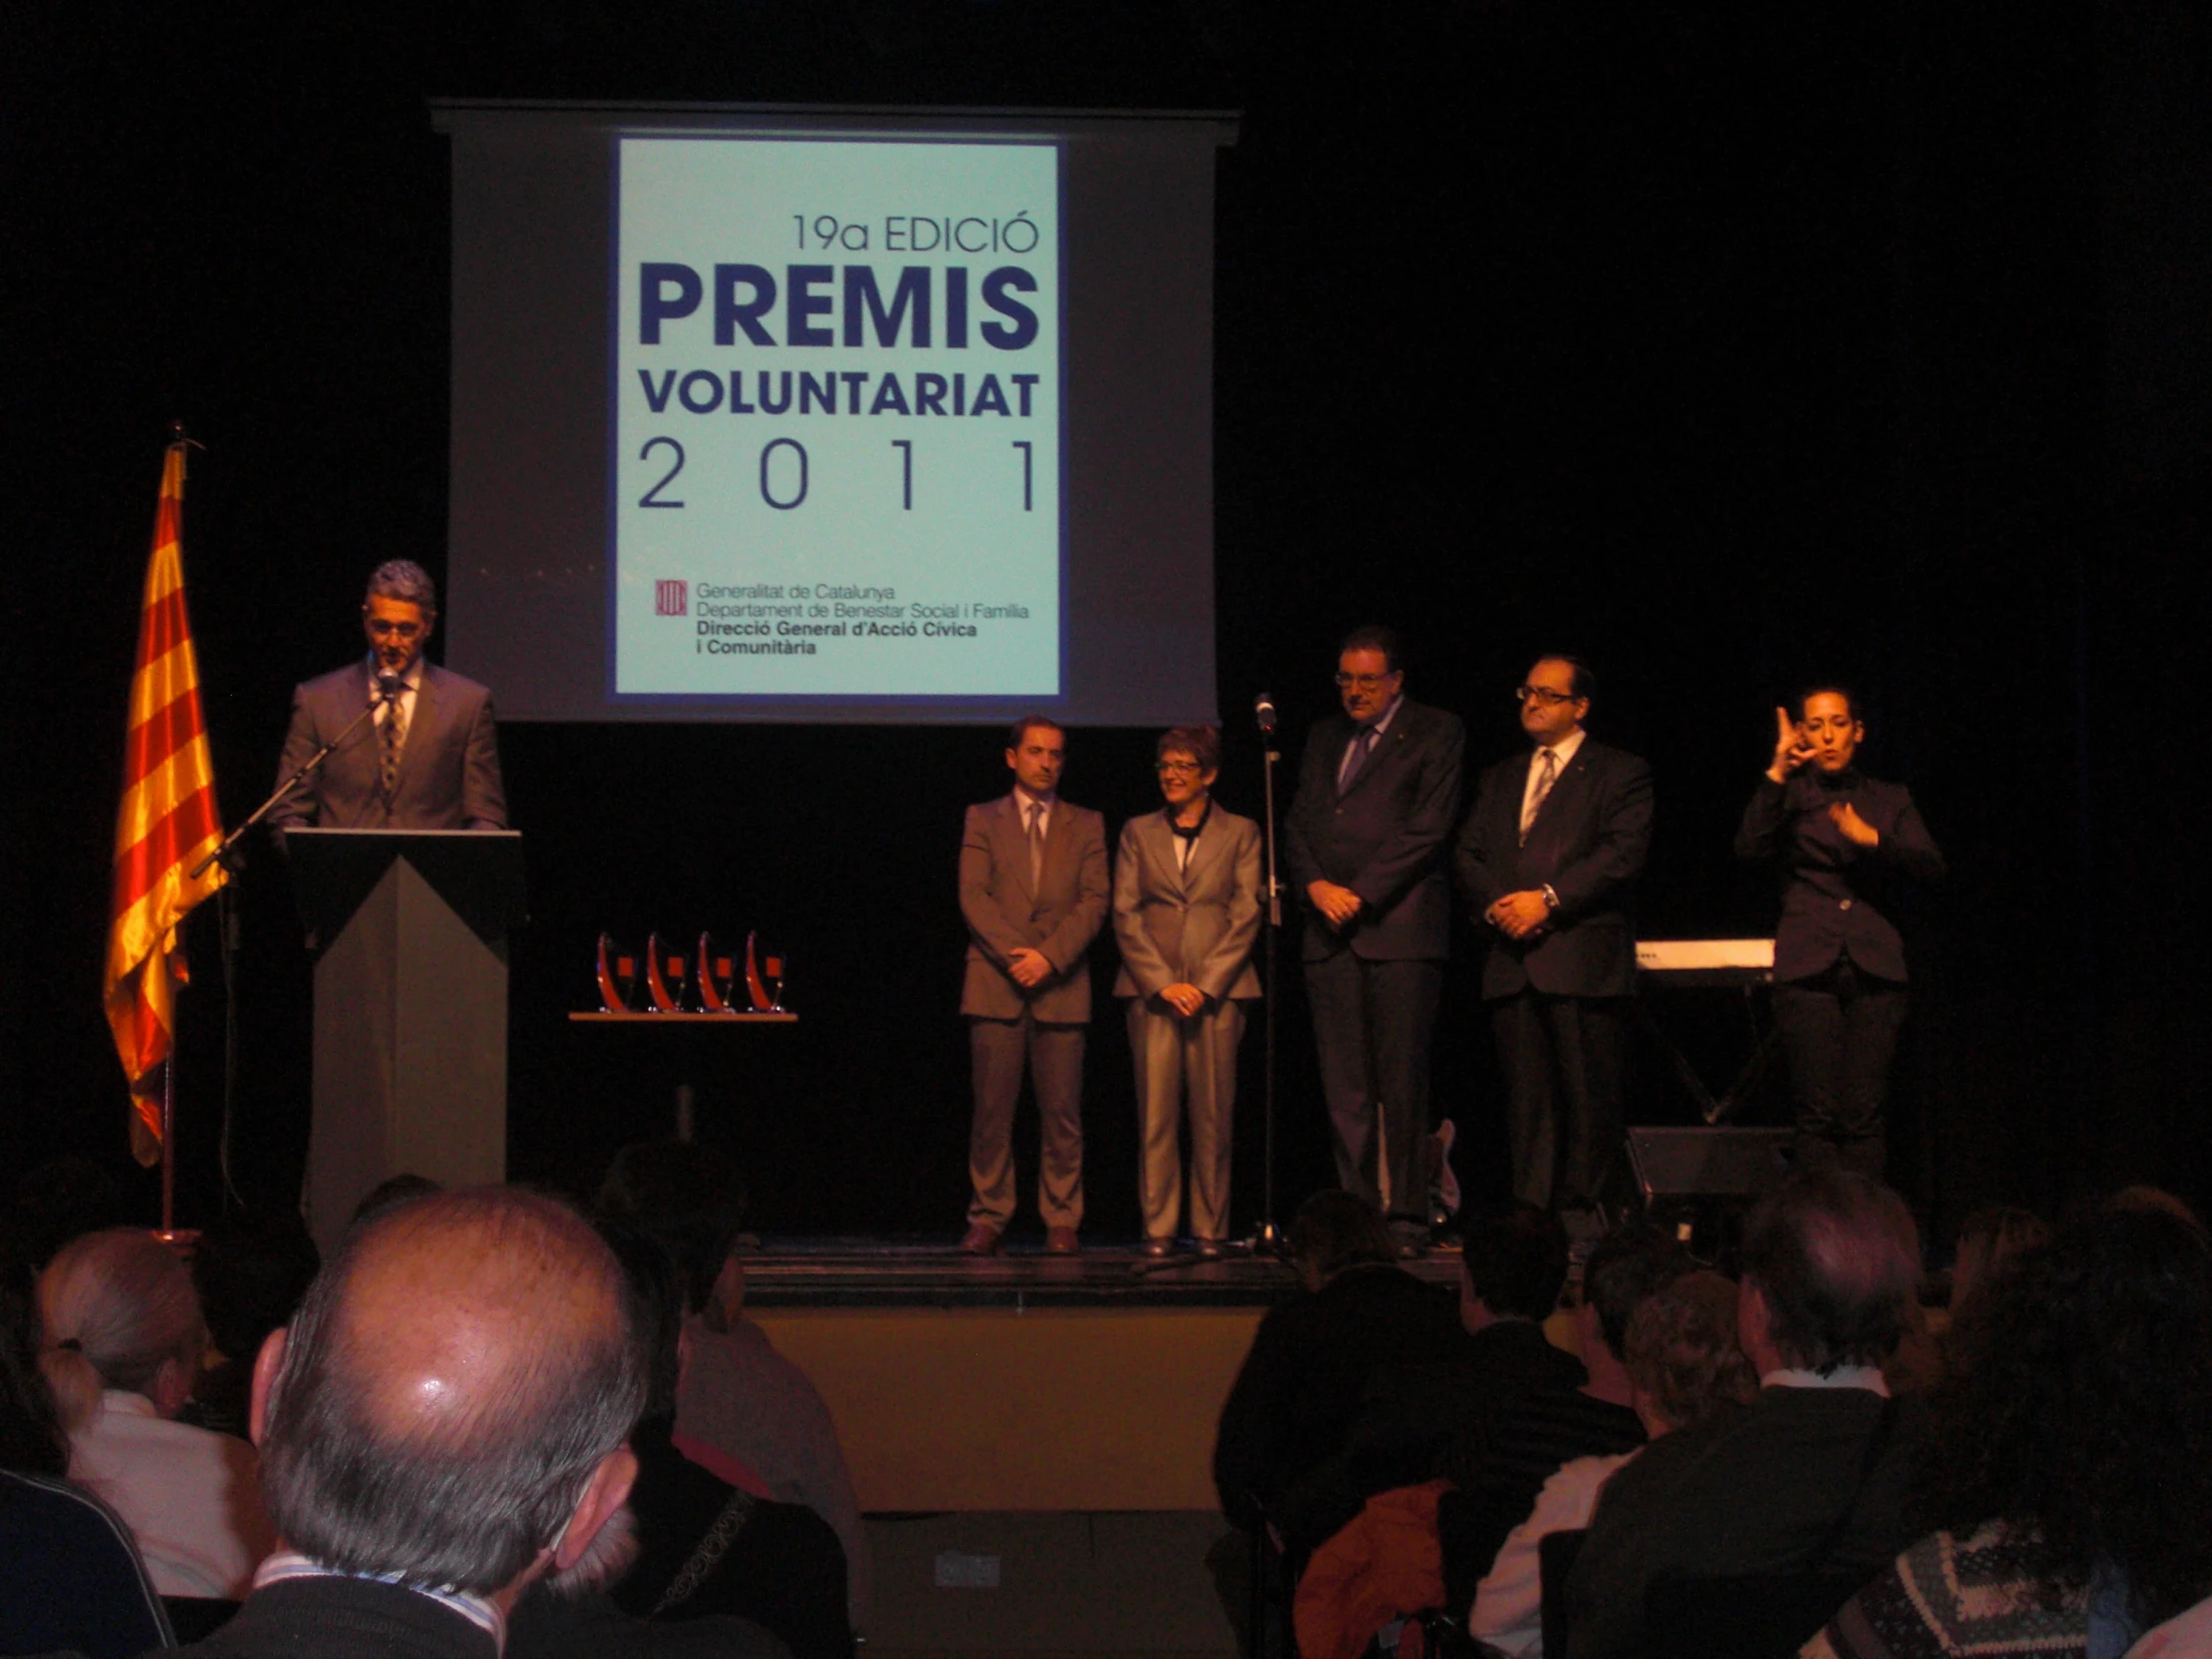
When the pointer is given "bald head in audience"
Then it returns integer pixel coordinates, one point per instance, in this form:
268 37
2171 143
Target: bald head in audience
450 1404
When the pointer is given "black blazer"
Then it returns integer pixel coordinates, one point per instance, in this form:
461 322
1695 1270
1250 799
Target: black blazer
1383 838
1588 845
1835 893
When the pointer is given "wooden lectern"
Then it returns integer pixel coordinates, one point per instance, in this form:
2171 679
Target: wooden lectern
409 929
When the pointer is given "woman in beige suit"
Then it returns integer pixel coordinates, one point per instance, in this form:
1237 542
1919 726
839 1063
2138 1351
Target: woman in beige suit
1186 914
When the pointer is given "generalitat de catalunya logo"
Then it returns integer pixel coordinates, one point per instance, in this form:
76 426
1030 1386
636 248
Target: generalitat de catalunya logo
671 598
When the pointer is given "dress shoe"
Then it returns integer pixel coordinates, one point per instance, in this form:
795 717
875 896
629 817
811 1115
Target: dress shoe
1210 1249
982 1239
1061 1241
1410 1240
1159 1247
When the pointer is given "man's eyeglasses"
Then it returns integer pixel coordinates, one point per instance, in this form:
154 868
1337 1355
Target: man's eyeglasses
399 629
1181 769
1366 681
1542 694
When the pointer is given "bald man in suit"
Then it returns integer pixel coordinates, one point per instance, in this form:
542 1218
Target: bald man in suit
1186 914
1033 889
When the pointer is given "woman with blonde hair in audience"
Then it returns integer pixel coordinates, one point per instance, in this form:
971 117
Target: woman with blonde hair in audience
1684 1363
124 1340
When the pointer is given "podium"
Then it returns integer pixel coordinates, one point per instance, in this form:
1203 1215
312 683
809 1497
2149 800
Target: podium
409 929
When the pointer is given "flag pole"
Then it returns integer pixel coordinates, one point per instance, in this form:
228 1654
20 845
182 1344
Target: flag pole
169 1146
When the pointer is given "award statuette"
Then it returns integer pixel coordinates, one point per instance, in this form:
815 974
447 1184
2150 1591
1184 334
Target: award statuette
618 977
716 980
763 1004
664 978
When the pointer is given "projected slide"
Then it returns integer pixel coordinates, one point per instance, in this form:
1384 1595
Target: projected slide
837 420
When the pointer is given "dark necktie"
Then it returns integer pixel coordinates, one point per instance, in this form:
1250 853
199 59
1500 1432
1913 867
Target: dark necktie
1356 757
1036 845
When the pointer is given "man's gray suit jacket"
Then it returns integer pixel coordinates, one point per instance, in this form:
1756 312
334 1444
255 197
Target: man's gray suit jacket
448 766
1059 915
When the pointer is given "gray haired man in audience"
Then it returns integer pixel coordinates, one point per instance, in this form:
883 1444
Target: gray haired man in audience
1809 1477
442 1424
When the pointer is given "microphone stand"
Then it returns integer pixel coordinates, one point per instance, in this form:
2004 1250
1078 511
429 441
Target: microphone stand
1269 1237
226 855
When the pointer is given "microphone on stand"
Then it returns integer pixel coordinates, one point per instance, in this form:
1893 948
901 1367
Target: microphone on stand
389 686
1263 709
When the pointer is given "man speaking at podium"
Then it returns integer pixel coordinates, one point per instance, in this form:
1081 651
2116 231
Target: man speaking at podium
429 757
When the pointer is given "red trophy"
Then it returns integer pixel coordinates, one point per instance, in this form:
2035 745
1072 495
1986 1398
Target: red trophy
716 980
663 978
618 977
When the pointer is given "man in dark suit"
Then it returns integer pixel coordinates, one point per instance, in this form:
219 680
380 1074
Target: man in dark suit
447 1410
1546 862
429 757
1378 790
1809 1477
1033 890
1847 849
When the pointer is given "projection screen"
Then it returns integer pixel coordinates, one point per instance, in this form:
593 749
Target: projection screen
811 414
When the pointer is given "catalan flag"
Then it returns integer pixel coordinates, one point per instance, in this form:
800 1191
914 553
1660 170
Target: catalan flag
166 823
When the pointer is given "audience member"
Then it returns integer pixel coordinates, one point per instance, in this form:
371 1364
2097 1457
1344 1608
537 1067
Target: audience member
1627 1268
1493 1416
1517 1407
2071 1473
250 1274
1812 1474
124 1340
70 1576
705 1546
1301 1388
1682 1361
1989 1241
390 1193
442 1424
740 1397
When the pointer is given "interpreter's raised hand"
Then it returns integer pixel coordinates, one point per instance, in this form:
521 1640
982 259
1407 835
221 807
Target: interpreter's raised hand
1855 828
1186 999
1792 748
1339 906
1030 968
1519 915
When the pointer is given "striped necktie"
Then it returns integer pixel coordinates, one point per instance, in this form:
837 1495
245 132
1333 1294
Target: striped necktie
393 734
1544 780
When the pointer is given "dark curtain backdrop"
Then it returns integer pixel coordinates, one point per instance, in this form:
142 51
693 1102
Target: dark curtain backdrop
1727 346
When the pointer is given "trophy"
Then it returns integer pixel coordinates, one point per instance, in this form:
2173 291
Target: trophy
664 978
618 977
763 1004
717 978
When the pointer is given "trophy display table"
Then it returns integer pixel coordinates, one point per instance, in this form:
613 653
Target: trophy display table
684 1044
409 929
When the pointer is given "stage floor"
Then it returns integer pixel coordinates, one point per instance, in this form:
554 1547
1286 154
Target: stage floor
786 1272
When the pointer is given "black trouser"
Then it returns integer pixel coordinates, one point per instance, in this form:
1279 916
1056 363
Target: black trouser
1564 1061
1840 1031
1372 1024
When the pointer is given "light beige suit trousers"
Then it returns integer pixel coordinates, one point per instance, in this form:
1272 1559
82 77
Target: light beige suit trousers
1193 925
